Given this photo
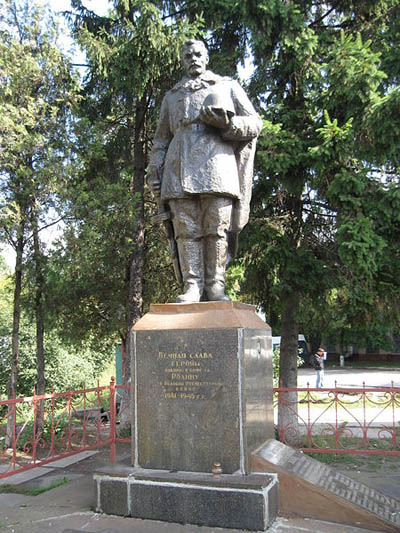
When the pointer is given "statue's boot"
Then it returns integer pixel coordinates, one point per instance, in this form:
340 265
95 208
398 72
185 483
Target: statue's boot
216 250
191 263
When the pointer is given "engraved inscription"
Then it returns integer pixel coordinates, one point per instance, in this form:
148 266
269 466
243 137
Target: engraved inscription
187 375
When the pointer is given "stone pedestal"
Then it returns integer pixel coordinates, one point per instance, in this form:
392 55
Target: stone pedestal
201 394
202 387
226 501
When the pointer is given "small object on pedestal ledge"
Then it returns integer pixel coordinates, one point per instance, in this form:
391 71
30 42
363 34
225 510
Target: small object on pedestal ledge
216 469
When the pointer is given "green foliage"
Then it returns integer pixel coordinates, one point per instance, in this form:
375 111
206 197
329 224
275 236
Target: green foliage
68 366
25 433
115 261
275 365
37 94
234 277
324 79
323 233
37 91
136 47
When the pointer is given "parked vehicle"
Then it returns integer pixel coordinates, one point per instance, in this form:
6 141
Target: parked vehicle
303 350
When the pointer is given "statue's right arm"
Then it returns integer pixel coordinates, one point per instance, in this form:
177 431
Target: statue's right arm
162 139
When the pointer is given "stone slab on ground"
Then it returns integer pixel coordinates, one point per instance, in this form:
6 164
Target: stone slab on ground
67 461
38 471
310 488
94 523
54 476
27 475
385 481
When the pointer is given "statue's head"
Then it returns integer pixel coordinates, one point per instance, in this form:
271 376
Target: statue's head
194 57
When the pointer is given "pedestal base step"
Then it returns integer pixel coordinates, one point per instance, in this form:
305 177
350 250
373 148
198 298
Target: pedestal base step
227 501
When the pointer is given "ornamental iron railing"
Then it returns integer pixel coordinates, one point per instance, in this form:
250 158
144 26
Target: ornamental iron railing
43 428
364 420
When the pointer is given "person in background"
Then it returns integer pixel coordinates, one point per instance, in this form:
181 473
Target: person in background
318 363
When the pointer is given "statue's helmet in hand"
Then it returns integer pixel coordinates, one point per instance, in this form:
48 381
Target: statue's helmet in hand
220 103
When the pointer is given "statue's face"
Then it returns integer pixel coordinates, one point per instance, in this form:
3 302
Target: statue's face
195 60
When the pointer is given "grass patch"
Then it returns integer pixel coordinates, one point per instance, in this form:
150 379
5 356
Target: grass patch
15 489
359 461
347 400
124 432
337 458
108 372
365 463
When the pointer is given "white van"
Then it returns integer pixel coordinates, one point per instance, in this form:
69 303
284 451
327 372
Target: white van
303 350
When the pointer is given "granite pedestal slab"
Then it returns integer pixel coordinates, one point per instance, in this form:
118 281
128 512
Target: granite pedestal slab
226 501
202 387
309 488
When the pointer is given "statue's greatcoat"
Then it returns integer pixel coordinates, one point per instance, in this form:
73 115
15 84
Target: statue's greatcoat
191 157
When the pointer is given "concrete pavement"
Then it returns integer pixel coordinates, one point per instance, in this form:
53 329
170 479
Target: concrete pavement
351 377
68 508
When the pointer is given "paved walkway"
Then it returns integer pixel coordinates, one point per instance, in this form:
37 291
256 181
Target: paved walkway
68 508
351 377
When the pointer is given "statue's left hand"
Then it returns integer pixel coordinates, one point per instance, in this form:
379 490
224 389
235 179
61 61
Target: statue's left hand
218 118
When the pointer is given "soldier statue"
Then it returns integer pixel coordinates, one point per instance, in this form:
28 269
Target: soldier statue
201 170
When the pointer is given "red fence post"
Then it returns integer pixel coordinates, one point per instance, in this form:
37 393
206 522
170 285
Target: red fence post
14 431
34 435
394 429
309 425
113 422
281 401
364 427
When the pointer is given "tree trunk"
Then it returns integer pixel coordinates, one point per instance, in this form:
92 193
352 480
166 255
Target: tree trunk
135 298
39 290
288 421
13 381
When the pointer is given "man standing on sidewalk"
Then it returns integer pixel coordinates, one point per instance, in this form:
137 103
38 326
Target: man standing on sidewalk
318 363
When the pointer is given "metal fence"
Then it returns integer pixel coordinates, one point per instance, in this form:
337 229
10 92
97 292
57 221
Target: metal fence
363 420
43 428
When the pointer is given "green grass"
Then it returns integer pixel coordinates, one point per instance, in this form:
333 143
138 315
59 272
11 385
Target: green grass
337 458
347 442
351 400
366 463
16 489
108 372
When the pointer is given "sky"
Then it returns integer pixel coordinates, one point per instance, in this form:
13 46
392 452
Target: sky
58 6
98 6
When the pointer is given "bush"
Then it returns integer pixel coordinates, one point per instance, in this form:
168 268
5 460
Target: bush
275 364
